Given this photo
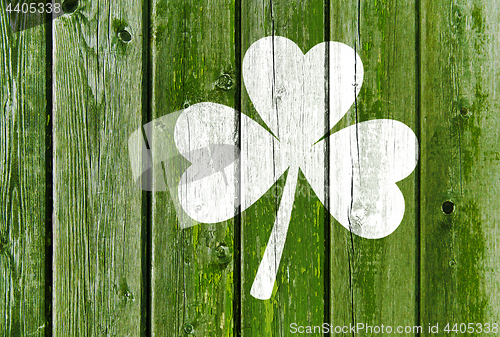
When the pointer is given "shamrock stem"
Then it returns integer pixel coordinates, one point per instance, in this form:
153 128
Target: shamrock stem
263 284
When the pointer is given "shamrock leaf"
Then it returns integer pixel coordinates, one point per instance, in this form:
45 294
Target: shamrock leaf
233 168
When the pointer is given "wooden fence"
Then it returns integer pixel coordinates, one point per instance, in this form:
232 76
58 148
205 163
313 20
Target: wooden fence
85 252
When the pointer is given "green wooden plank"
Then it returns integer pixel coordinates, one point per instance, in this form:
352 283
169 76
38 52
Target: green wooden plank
97 77
460 163
298 294
193 57
374 282
22 181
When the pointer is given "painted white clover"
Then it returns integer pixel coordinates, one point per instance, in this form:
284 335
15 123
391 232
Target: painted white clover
288 89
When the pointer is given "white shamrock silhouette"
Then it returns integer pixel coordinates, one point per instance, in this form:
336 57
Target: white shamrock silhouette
232 167
287 89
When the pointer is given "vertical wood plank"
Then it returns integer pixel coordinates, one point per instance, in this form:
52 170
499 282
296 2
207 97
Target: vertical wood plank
97 77
193 57
298 294
374 282
22 180
460 163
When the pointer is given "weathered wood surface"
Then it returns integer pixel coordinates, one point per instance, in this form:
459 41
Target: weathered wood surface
23 119
122 263
97 90
460 163
375 282
193 60
298 294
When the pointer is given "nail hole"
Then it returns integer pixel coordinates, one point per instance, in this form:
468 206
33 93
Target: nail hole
69 6
224 82
3 245
124 36
188 329
464 111
185 105
223 254
448 207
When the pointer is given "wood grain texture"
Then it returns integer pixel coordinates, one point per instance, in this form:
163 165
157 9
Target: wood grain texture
460 162
122 263
298 294
22 181
374 281
97 78
193 55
